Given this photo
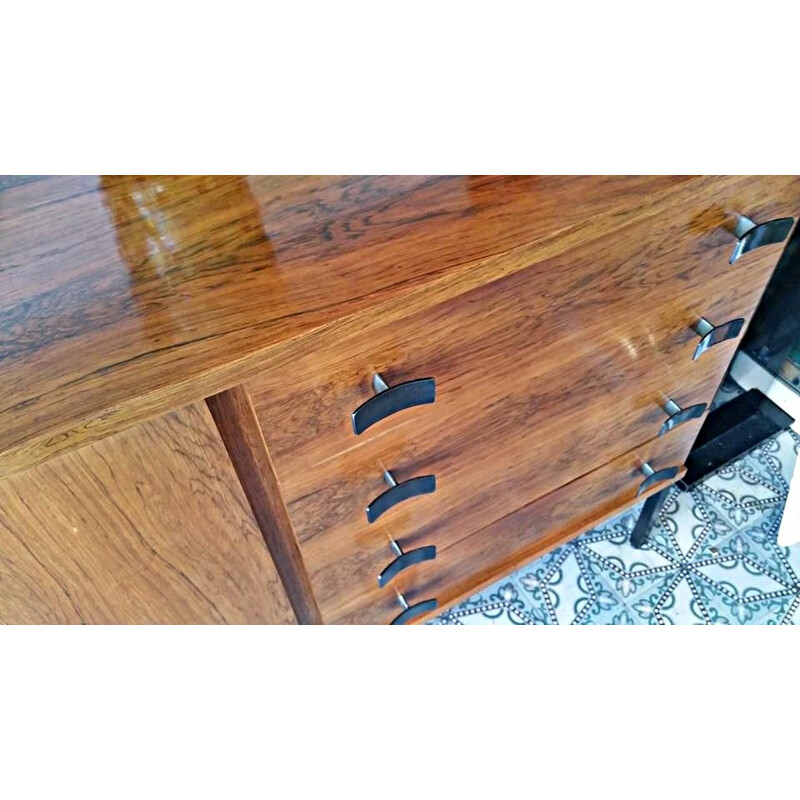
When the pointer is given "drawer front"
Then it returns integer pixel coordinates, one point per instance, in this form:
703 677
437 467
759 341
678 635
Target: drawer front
543 376
534 391
667 269
547 432
344 559
518 538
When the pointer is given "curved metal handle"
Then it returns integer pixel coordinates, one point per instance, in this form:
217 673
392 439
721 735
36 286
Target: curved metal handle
412 612
714 334
678 415
397 492
652 477
750 235
389 400
404 560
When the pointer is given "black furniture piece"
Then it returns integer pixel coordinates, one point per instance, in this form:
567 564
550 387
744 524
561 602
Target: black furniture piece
773 336
729 432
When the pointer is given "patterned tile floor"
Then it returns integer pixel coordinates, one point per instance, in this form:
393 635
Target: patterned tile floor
712 559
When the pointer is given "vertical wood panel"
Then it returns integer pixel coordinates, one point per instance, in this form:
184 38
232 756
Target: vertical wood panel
237 424
148 526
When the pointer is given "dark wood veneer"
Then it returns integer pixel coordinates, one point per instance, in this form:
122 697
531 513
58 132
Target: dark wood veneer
543 375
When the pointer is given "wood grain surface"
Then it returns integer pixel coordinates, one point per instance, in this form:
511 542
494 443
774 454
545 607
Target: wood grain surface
554 312
237 424
486 555
543 376
148 526
122 298
641 286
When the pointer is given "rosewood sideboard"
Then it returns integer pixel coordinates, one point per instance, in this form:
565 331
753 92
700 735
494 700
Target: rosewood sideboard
348 399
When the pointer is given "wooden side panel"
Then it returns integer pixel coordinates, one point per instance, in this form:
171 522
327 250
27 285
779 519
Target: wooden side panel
238 426
148 526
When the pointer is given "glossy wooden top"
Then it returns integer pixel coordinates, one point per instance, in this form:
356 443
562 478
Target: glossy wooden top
122 298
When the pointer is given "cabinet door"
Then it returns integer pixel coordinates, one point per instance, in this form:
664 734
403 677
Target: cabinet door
147 526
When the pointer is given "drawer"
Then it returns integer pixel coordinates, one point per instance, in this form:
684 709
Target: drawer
571 415
489 554
665 270
524 407
543 376
483 473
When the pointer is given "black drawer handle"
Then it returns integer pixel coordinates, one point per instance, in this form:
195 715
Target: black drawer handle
404 560
714 334
750 235
652 477
410 613
391 399
397 492
678 415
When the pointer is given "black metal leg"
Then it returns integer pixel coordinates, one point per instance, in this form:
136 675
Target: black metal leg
641 531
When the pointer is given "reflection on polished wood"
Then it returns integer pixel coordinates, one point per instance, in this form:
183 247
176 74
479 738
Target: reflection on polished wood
631 295
555 314
122 298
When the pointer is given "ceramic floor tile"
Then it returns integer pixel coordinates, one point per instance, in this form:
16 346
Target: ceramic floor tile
741 573
681 603
731 605
500 604
757 541
779 456
740 494
491 614
756 483
645 606
637 578
779 611
711 559
608 545
625 616
565 591
694 528
792 614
